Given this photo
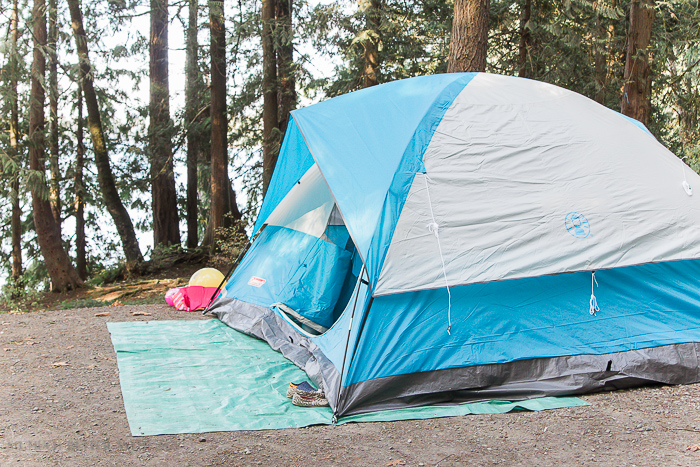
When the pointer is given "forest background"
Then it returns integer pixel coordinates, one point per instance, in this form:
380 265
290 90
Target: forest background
98 154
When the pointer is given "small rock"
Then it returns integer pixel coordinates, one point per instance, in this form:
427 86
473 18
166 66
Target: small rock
202 440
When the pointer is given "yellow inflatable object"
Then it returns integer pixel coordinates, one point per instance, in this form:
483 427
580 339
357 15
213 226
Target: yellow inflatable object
207 277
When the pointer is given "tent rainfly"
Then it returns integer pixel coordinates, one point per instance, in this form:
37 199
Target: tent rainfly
463 237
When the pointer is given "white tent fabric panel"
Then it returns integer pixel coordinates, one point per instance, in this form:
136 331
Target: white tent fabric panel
307 206
526 179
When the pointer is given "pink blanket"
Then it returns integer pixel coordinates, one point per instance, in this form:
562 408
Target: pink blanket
190 298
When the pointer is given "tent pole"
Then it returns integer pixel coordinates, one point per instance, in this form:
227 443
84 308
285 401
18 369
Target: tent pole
347 341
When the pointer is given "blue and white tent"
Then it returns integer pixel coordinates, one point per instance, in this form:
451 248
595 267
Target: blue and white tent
462 237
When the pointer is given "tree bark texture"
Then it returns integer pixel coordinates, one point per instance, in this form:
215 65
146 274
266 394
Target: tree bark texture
223 210
191 104
469 39
371 59
116 209
270 143
166 228
600 64
61 272
286 84
80 254
55 174
525 40
636 95
16 219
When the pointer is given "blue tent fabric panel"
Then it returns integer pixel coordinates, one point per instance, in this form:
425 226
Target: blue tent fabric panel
410 164
358 140
299 270
640 307
293 162
334 341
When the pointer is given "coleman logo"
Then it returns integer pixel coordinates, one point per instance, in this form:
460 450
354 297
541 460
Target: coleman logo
256 281
577 225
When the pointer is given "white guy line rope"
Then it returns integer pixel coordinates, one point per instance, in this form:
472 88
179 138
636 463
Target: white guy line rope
594 303
435 229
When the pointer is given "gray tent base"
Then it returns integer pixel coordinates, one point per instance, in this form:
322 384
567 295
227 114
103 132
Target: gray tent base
512 381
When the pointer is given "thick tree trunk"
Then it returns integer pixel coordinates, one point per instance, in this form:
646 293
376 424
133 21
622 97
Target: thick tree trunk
636 96
371 59
525 40
63 276
16 219
80 254
121 218
223 211
269 87
287 96
166 228
191 101
55 178
469 39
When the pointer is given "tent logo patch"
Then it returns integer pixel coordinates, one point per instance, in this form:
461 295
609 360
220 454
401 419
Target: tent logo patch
256 281
577 225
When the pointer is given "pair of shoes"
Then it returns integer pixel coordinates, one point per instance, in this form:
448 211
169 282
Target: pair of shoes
303 388
315 400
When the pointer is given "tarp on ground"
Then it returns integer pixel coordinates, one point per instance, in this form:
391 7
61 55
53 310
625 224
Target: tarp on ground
202 376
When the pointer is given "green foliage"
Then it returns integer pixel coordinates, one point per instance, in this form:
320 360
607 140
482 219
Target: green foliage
412 38
108 275
676 71
14 295
228 245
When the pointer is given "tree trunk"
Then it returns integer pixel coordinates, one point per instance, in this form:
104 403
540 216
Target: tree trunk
269 89
16 219
80 254
191 101
121 218
63 276
599 61
469 40
55 178
287 96
223 211
166 228
372 10
525 40
636 96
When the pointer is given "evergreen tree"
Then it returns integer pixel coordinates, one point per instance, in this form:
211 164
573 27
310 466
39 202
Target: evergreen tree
60 270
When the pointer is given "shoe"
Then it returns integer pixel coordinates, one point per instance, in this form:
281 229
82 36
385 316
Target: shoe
302 388
291 390
315 400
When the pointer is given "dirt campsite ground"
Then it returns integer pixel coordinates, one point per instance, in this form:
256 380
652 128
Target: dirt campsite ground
60 404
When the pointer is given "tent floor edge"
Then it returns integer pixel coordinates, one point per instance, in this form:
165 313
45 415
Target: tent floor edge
527 379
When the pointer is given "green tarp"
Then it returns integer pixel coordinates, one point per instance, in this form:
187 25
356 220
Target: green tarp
202 376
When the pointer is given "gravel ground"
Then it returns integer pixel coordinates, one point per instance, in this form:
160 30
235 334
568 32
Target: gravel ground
61 405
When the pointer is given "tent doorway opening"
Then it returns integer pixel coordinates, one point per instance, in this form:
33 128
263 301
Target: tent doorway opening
304 263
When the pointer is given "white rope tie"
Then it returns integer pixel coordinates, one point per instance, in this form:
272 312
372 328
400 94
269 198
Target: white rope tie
686 186
594 303
434 228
